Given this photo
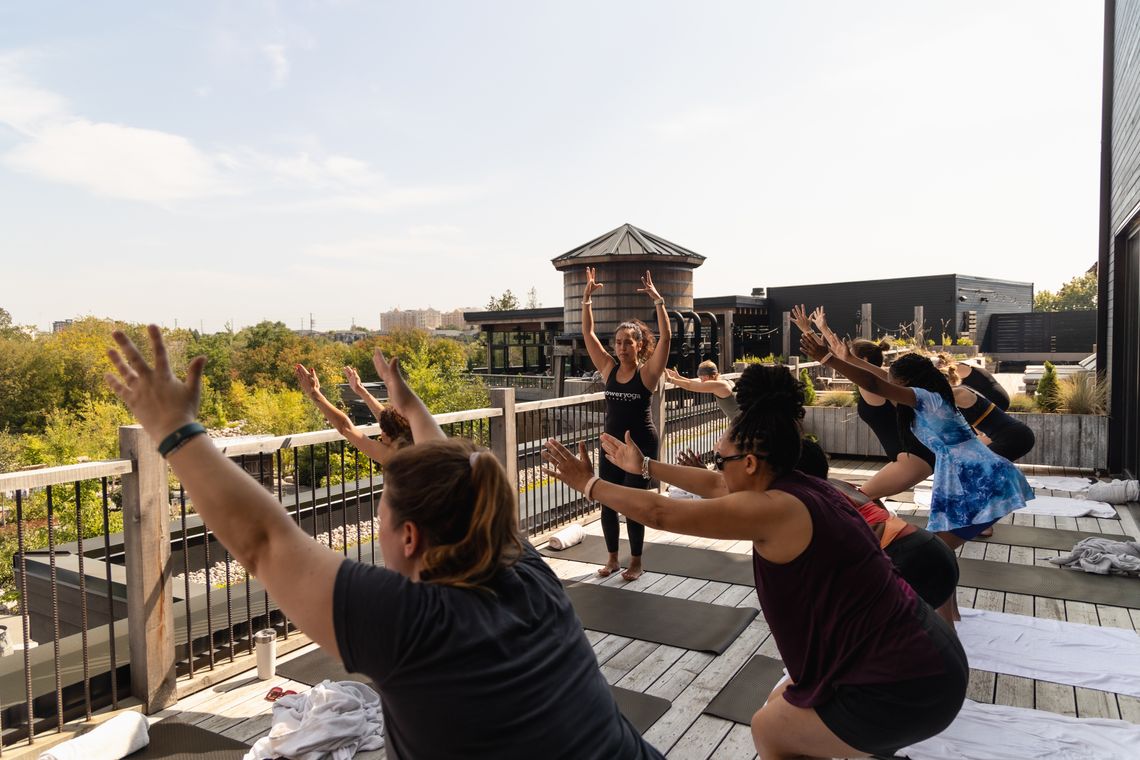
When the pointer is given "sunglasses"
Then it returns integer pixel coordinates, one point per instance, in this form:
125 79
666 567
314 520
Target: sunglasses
719 460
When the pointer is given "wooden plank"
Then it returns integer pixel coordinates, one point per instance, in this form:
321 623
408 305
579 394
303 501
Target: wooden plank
702 738
1114 617
737 745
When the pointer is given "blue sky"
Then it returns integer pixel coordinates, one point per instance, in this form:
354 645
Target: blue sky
208 162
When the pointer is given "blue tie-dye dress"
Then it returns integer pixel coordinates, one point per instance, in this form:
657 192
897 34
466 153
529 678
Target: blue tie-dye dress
972 485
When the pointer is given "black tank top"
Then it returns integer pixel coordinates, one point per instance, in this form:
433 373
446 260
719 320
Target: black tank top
986 384
881 420
627 408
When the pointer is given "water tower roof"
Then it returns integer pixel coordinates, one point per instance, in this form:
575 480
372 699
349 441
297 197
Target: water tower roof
626 244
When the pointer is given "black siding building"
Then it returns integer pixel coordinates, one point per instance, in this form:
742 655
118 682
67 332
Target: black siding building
1118 329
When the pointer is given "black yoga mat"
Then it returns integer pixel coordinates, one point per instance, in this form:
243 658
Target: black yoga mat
661 619
1026 535
746 691
642 710
707 564
170 740
1055 583
314 667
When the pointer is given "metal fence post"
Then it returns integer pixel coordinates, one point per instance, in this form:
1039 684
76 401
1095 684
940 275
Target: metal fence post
504 433
146 541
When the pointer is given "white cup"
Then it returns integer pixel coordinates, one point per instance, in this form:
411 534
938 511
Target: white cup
265 645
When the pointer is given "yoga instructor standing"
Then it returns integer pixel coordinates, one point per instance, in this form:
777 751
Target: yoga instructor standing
630 384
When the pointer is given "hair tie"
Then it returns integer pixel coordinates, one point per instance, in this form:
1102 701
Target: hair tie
474 456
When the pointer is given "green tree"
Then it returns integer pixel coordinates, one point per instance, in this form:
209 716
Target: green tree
1048 390
1078 294
508 301
10 331
257 359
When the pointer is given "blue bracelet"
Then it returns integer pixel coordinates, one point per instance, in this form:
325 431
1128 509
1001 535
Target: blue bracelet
179 437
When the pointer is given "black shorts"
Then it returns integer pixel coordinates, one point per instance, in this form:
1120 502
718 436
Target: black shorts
881 719
927 564
914 447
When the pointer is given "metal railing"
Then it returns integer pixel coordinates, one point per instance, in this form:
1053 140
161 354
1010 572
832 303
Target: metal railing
543 382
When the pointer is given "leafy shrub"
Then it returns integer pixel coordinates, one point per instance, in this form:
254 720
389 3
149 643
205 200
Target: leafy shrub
964 341
835 398
1048 398
1022 403
1084 393
809 387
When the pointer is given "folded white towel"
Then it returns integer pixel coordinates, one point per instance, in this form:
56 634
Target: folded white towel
567 537
1059 482
1055 506
112 740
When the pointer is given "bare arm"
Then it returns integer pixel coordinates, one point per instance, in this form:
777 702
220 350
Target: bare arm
699 480
651 372
405 401
745 515
298 572
352 377
375 450
603 362
860 372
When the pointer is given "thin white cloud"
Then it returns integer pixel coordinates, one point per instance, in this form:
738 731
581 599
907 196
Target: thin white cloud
278 64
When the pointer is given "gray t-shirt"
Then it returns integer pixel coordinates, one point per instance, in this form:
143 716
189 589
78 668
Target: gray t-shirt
468 674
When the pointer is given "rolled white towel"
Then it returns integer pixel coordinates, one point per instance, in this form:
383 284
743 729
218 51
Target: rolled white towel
115 739
1116 492
567 537
679 493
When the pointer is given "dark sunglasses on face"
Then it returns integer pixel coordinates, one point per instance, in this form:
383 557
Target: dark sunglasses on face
719 460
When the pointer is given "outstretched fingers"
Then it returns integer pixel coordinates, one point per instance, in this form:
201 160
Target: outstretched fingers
130 354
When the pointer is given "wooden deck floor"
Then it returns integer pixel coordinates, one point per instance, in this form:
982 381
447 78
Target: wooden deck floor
691 679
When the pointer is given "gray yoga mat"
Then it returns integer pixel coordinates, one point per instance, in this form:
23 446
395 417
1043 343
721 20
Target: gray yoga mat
642 710
707 564
1055 583
660 619
171 740
746 691
1025 535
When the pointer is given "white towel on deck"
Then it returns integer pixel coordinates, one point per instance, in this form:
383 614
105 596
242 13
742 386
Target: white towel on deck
1075 654
997 732
333 720
1059 482
1055 506
569 536
1103 556
1116 492
114 739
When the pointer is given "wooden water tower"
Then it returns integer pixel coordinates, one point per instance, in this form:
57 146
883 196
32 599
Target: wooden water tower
621 257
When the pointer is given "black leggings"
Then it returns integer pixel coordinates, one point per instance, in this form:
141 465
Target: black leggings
1012 442
927 564
611 529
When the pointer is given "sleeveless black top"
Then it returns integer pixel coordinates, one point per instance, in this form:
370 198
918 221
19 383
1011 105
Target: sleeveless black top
627 408
883 423
987 385
985 416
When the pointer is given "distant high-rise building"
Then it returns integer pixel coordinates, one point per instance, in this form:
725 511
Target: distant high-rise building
60 325
397 319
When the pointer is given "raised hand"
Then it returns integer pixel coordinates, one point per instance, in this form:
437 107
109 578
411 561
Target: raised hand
624 454
690 458
801 319
837 345
591 284
352 377
159 400
562 464
673 375
648 288
307 379
812 346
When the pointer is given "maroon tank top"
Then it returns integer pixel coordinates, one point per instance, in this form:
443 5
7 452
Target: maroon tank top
840 612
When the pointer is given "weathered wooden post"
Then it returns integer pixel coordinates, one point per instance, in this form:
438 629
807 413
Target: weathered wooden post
504 433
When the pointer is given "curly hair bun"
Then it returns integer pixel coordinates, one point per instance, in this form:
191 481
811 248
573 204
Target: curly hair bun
773 388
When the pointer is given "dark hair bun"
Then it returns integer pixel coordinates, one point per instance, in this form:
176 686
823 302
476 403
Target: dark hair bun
773 388
885 344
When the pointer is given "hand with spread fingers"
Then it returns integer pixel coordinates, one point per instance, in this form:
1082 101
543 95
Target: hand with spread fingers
592 284
800 318
574 471
812 346
820 320
690 458
352 377
648 288
160 402
837 345
625 454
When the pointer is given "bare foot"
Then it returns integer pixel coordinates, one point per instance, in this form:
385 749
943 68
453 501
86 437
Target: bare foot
612 566
634 571
987 532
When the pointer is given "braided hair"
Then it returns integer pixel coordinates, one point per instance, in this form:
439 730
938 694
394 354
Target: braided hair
917 371
768 425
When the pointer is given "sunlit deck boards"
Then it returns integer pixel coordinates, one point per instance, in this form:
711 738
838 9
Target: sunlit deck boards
691 679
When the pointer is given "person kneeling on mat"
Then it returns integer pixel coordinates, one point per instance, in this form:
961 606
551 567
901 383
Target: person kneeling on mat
872 668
